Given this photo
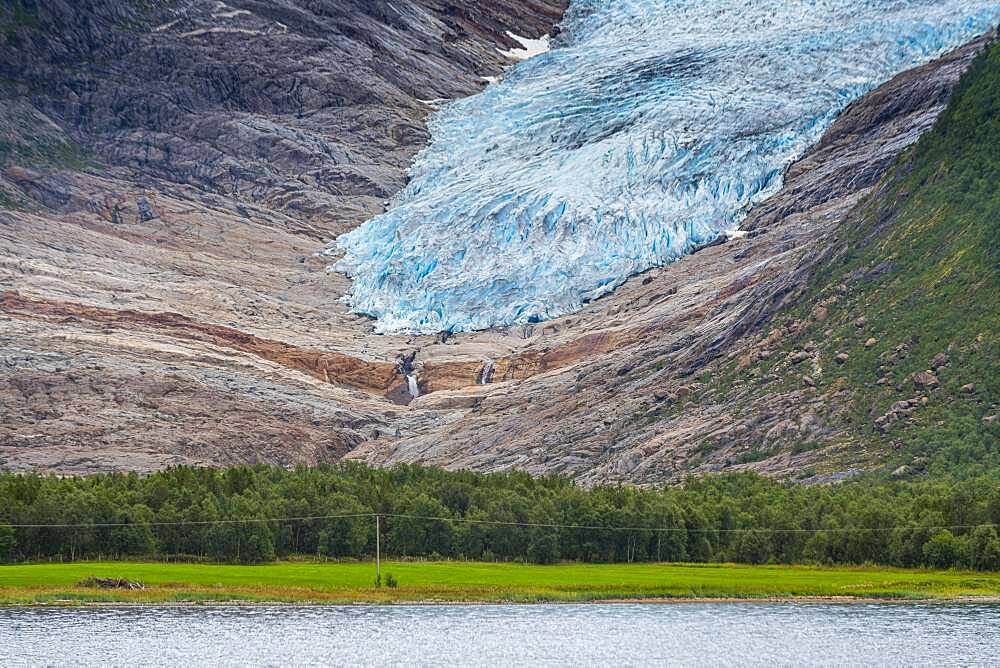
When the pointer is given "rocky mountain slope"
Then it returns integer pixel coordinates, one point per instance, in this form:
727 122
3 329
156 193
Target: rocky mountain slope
170 173
747 355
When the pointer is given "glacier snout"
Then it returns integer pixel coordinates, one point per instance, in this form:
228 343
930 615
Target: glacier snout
651 127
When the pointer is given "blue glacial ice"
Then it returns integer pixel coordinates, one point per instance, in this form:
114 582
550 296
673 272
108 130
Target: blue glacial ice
652 126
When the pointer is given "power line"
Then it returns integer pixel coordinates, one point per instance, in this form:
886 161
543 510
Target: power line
104 525
544 525
470 520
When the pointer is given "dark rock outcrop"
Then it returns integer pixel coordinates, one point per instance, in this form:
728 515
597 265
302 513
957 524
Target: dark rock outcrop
311 108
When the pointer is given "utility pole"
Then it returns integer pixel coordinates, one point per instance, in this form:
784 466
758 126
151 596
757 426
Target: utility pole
378 552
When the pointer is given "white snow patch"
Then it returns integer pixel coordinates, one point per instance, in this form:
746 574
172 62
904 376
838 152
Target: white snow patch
435 103
230 15
166 26
529 47
205 31
736 234
491 80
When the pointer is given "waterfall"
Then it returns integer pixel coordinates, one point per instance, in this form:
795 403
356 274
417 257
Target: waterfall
412 385
487 375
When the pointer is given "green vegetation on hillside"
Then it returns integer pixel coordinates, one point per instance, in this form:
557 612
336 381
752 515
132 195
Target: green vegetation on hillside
231 515
906 318
29 139
937 233
14 17
298 582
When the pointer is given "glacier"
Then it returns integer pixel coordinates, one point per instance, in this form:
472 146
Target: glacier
650 127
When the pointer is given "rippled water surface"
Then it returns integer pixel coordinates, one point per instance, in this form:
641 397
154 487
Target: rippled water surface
650 127
627 634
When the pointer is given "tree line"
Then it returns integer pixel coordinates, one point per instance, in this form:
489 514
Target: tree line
229 515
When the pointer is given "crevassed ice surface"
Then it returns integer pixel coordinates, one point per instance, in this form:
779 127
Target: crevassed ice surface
650 128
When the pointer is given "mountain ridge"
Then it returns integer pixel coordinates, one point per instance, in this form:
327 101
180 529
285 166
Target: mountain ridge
229 345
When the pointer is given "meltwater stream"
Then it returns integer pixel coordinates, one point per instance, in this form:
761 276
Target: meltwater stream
651 126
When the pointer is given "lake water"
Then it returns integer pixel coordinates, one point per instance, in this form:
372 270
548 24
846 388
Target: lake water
626 634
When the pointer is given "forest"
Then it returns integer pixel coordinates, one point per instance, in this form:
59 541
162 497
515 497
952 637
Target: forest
254 514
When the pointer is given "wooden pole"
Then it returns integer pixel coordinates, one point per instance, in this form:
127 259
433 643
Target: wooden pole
378 552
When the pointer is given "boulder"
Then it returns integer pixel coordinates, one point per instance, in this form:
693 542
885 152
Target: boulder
111 583
902 406
798 357
665 395
940 360
925 380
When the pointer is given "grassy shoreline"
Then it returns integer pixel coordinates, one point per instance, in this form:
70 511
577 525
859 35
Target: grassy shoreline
470 582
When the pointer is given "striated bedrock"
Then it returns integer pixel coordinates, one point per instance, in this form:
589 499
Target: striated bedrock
310 108
651 127
331 367
168 172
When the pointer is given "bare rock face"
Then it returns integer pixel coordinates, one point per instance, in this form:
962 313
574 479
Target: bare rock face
168 173
173 169
308 108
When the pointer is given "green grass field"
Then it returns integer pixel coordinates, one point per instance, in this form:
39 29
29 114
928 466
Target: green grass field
307 582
